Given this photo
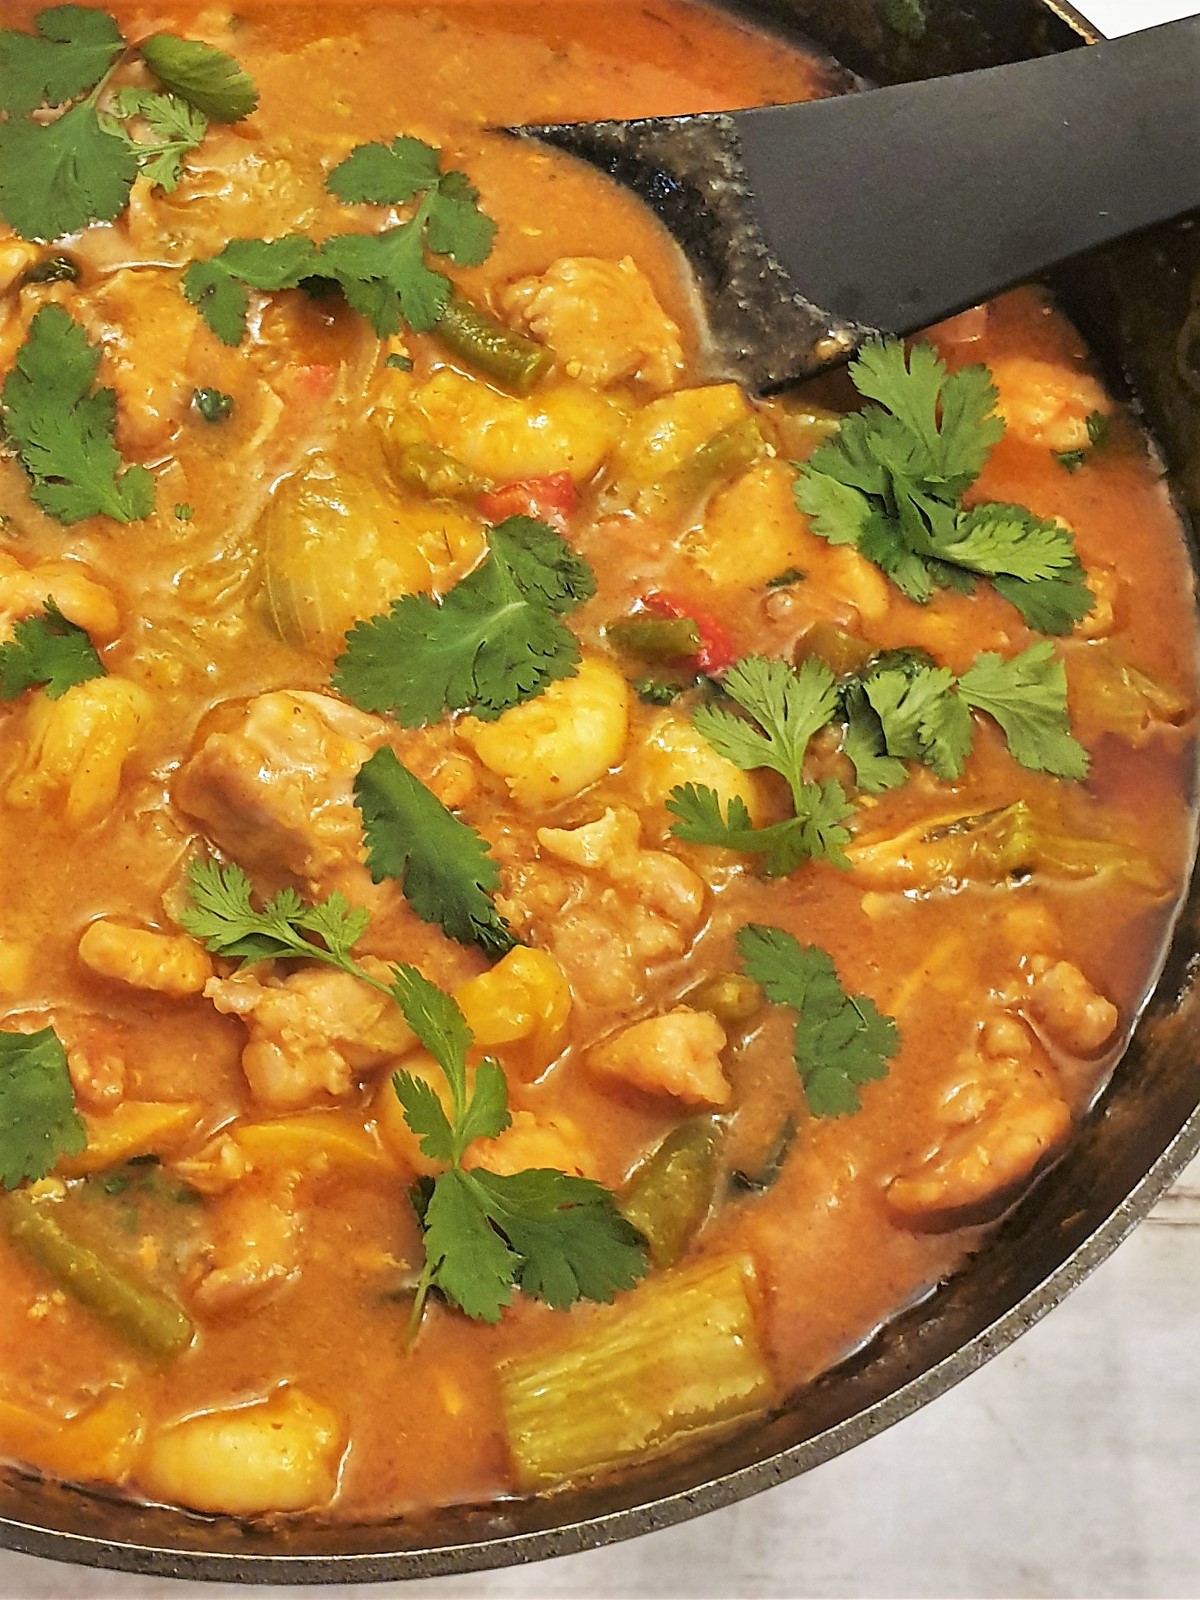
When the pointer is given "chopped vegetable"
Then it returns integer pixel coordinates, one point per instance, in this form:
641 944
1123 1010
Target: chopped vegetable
142 1315
672 1191
495 639
842 1042
437 472
766 1175
551 500
1097 425
62 429
38 1120
681 1359
212 405
492 348
47 651
715 652
892 482
53 269
655 639
444 867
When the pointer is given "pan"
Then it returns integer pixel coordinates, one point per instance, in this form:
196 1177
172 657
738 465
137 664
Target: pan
1138 306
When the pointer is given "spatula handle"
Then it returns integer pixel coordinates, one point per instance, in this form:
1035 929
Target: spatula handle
901 206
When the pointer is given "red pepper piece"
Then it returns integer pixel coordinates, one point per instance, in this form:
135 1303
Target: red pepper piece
716 653
550 500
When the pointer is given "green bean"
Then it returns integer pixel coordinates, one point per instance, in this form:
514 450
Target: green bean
52 269
425 466
139 1313
493 349
655 638
731 997
716 461
671 1193
841 651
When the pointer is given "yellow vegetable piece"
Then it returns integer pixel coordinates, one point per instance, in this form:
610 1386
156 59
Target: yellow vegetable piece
751 530
279 1454
99 1444
313 1142
665 433
395 1132
525 997
133 1128
674 752
562 427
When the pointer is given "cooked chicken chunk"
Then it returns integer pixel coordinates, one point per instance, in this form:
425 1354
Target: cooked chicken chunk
677 1054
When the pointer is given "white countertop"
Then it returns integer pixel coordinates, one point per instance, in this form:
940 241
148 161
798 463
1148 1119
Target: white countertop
1068 1466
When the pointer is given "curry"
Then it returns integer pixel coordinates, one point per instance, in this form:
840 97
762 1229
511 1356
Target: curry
545 898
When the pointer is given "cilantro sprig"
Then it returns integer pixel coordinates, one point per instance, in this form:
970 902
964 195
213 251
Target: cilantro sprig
842 1041
383 276
787 708
891 483
556 1237
60 173
495 639
906 708
1098 426
38 1119
441 863
62 429
47 652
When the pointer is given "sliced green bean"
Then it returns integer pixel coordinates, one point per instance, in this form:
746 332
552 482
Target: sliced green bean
437 472
841 651
655 638
492 348
672 1191
142 1315
731 997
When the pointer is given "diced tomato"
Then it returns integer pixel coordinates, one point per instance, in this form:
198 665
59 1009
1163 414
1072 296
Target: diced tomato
716 653
549 499
305 385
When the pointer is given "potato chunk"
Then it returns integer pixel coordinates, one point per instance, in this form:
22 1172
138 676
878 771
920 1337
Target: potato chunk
77 747
169 963
1045 402
553 747
280 1454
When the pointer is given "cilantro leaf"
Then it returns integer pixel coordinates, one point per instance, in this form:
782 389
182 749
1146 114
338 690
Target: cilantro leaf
38 1119
467 1259
202 75
221 913
425 1115
815 833
47 651
57 177
922 718
174 126
443 865
841 1040
382 174
217 286
73 49
788 707
494 640
1028 698
891 483
62 429
1097 425
865 743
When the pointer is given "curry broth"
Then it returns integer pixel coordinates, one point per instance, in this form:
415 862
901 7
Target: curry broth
422 1426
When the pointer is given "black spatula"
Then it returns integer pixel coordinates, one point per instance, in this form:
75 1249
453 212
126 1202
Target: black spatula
812 225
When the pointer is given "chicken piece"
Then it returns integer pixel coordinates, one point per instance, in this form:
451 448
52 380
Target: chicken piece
630 908
169 963
534 1141
1046 402
95 1061
76 748
996 1120
313 1033
25 590
256 1244
1075 1016
602 319
277 789
678 1053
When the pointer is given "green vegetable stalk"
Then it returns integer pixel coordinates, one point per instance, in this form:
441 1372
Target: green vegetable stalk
657 639
485 343
679 1360
140 1314
671 1193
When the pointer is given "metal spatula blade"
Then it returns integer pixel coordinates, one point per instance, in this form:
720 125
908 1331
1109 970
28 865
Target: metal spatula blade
811 226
